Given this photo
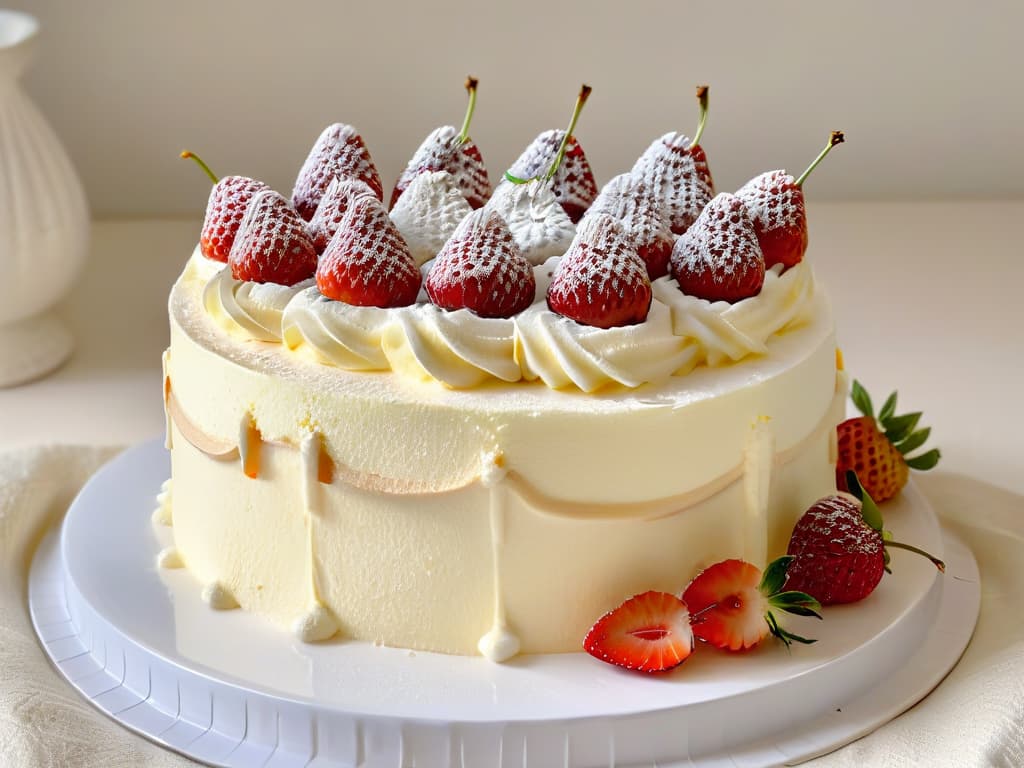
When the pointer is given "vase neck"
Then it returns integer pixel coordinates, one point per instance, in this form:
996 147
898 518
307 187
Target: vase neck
17 42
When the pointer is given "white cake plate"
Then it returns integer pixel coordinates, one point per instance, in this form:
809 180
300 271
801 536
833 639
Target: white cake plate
228 689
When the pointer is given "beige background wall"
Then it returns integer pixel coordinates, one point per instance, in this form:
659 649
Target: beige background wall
929 93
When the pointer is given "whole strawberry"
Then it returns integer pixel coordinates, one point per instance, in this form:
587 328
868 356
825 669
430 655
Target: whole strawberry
627 199
731 604
839 547
333 206
481 269
272 245
649 632
225 209
601 281
878 449
455 152
776 204
339 152
560 155
675 170
718 258
367 263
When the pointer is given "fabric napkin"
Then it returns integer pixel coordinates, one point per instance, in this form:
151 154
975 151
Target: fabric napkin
974 718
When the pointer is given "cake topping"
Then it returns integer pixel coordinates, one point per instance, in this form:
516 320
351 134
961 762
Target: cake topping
367 263
649 633
601 281
456 153
627 199
731 604
332 209
718 258
539 224
339 152
229 198
429 212
481 269
559 156
675 170
839 548
271 245
878 449
776 204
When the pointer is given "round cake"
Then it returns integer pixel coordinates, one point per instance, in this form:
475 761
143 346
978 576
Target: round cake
451 478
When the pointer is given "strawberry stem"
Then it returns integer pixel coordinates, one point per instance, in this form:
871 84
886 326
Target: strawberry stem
580 101
702 100
471 84
910 548
186 155
835 138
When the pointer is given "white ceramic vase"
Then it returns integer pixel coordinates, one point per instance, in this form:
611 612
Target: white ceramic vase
44 219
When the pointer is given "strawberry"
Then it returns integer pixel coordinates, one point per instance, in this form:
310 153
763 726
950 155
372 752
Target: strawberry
718 258
839 549
775 201
229 198
367 263
481 269
626 199
456 153
731 604
649 632
272 245
601 281
675 170
339 152
332 209
567 166
878 456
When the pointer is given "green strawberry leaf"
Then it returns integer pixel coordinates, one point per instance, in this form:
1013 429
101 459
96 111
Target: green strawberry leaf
799 603
868 509
898 428
888 408
914 441
775 575
788 638
925 461
861 399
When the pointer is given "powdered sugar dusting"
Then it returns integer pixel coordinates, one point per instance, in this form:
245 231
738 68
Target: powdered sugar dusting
482 269
540 226
774 201
339 152
628 200
441 151
272 245
332 209
429 212
719 256
678 179
224 212
573 182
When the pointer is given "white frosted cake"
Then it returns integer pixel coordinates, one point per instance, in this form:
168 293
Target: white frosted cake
442 479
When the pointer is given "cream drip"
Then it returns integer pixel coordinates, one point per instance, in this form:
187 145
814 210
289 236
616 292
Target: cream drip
317 623
538 223
428 212
499 643
165 361
758 465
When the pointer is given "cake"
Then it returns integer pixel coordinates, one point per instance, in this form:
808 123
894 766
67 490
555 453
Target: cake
429 476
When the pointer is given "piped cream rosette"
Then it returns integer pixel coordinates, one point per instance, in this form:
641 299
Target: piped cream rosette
461 350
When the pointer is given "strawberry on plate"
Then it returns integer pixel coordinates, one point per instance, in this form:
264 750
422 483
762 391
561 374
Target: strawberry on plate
878 449
839 548
272 245
732 604
649 632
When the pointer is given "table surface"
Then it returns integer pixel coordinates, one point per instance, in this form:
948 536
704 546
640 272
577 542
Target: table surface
925 296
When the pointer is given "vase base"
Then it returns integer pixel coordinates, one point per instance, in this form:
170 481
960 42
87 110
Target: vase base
32 348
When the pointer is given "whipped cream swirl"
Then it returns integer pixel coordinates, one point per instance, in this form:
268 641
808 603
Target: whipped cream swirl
537 221
253 309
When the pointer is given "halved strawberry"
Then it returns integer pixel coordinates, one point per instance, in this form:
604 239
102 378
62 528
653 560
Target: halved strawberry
272 245
338 153
731 603
367 263
649 632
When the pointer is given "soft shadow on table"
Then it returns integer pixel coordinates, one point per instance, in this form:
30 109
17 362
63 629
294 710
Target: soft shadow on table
976 715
